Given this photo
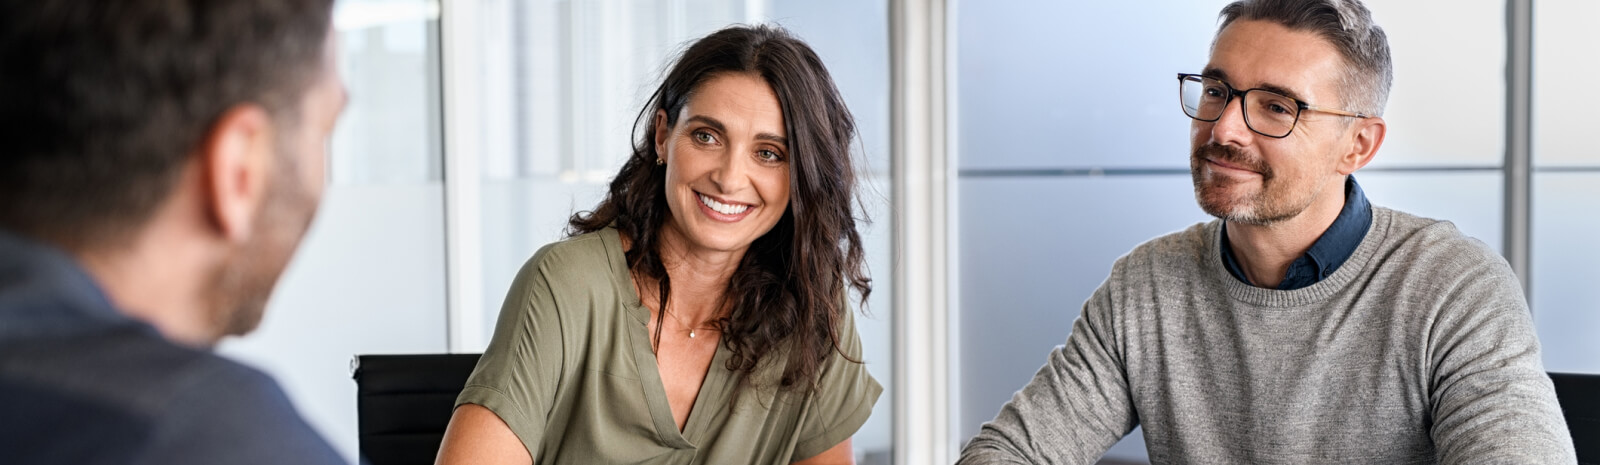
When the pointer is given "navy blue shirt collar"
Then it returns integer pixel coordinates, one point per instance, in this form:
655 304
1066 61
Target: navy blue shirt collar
44 292
1328 252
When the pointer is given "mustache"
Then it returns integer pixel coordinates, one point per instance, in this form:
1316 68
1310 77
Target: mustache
1233 156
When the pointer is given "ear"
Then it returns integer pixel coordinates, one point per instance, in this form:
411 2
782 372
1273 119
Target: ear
236 156
661 132
1365 138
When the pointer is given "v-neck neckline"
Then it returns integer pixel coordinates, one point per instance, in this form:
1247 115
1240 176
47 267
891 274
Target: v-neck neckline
707 402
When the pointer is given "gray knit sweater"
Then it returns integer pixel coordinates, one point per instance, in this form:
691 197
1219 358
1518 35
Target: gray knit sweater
1419 349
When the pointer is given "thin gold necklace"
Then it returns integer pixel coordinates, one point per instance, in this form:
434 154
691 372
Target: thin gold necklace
686 325
638 289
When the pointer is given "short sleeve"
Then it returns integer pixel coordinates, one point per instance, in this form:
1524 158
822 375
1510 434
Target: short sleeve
518 374
843 400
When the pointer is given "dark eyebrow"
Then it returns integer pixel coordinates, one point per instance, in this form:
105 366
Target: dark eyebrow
709 121
717 125
774 138
1280 90
1219 74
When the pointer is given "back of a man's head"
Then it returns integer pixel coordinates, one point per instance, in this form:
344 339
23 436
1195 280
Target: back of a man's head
1348 25
102 102
173 147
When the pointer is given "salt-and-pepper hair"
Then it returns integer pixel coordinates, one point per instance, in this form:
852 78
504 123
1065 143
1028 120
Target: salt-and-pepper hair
1348 25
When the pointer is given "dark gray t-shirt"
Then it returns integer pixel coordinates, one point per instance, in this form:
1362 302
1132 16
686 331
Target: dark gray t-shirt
81 383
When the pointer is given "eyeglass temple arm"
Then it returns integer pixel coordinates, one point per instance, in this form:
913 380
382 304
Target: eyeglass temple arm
1335 111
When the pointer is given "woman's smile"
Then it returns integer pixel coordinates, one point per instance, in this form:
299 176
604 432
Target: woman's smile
723 210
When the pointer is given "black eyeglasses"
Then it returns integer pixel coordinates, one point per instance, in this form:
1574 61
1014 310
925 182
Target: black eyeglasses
1266 112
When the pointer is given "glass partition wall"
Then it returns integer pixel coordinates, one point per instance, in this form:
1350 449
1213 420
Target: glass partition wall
1566 185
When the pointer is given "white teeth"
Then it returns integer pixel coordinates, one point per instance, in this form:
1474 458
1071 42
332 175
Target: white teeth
722 207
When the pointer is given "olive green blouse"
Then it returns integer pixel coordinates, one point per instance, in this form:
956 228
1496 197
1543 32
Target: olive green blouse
570 369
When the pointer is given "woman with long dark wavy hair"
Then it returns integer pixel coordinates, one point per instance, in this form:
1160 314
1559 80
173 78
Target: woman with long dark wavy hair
699 313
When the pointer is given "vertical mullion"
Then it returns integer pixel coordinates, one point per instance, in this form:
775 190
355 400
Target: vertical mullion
1519 141
920 170
461 76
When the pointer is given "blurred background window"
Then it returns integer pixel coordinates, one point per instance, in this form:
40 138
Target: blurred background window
1566 184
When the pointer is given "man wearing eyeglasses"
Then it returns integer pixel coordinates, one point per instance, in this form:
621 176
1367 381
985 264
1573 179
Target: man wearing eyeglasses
1305 325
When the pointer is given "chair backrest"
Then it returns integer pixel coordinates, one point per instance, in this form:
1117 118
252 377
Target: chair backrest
1580 403
404 402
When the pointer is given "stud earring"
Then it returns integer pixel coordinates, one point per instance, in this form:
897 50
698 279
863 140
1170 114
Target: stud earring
660 162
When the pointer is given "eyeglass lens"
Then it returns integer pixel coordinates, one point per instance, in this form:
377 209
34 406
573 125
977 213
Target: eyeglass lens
1265 112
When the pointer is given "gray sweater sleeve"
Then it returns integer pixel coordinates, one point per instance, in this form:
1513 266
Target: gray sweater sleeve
1076 407
1492 400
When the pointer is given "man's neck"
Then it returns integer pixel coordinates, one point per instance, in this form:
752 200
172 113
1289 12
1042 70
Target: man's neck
153 279
1264 252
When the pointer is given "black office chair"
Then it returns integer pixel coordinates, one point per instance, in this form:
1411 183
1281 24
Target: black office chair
1580 403
404 402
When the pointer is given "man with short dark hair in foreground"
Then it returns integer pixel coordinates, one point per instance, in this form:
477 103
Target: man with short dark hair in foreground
1305 325
163 159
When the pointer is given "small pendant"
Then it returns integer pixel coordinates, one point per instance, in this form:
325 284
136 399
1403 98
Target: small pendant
691 334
